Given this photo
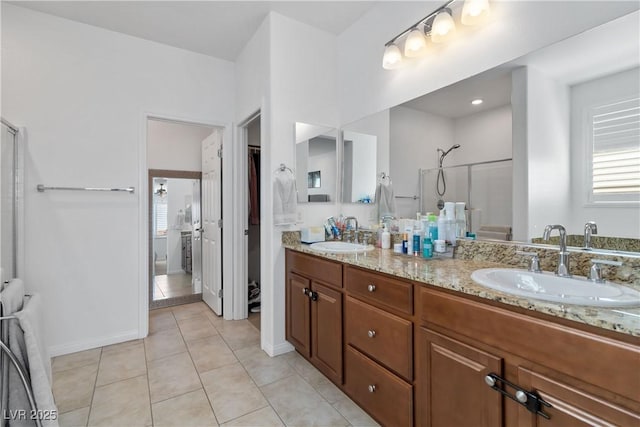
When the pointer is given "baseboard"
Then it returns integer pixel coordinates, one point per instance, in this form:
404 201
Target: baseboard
278 349
59 350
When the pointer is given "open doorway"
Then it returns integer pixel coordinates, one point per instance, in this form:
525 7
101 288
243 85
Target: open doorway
252 147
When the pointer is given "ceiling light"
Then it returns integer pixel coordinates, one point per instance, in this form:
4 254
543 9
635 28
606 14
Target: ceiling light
392 57
444 28
416 44
439 25
477 101
161 191
475 12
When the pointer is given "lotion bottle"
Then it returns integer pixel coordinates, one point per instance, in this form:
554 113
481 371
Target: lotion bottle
442 226
386 238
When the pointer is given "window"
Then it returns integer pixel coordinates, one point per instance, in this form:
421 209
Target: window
160 216
615 154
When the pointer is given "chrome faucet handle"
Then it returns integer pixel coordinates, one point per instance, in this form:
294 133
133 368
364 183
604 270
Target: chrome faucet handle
534 263
590 228
595 274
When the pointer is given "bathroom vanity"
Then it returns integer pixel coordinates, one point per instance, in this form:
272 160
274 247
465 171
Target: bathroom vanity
417 342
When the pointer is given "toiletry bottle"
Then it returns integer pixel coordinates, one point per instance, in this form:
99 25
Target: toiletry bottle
427 247
433 227
450 208
442 226
381 229
386 238
405 247
409 231
461 220
416 241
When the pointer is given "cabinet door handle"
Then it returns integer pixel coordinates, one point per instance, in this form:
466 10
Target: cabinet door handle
371 287
305 291
372 388
371 333
529 399
313 295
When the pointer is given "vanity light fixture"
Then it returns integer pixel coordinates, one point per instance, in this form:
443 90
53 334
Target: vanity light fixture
439 27
477 101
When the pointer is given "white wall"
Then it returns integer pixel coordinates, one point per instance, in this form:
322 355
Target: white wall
82 93
362 164
415 137
175 146
612 220
483 136
322 157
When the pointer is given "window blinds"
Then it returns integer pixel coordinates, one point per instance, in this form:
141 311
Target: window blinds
616 151
161 217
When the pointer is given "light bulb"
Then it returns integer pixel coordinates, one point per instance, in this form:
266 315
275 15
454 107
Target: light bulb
475 12
416 44
443 27
392 57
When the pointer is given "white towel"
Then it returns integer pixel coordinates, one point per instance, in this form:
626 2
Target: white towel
285 198
39 361
12 296
385 200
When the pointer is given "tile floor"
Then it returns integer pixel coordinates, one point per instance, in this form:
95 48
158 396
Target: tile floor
172 285
196 369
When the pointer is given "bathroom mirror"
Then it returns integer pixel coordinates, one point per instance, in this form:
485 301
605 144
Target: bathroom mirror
358 167
530 113
316 163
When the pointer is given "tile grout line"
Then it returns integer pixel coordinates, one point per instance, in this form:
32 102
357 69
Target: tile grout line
95 382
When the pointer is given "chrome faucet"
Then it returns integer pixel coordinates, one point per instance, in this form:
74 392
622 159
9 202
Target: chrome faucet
563 259
355 230
589 229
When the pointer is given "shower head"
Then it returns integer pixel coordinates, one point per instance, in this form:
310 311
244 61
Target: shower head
444 153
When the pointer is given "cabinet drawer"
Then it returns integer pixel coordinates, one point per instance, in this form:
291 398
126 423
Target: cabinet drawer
382 394
380 335
327 272
380 290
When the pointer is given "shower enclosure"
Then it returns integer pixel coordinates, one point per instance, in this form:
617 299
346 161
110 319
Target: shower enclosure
10 199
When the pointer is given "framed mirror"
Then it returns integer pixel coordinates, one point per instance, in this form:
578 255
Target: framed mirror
359 153
316 163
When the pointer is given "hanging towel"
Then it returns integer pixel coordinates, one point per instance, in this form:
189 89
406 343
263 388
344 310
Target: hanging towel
285 197
12 297
254 204
37 356
385 200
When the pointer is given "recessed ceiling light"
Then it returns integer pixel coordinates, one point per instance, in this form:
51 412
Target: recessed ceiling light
476 101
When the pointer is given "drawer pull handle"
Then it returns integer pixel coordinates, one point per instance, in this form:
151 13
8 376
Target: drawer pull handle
371 334
371 288
372 388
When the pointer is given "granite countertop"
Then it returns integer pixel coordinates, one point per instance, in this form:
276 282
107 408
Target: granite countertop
455 274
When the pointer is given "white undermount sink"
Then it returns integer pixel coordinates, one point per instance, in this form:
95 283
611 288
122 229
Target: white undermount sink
549 287
340 247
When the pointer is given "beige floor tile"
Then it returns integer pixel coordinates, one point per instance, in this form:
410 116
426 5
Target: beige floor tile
239 334
161 321
265 417
354 414
214 318
232 392
119 365
75 360
189 310
121 346
73 388
190 409
77 418
196 327
210 353
164 343
298 404
122 403
172 376
302 366
262 368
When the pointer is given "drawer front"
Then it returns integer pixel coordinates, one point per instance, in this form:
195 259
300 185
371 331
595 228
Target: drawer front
327 272
385 396
577 353
380 290
386 338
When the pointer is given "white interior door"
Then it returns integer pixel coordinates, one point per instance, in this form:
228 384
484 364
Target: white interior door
211 214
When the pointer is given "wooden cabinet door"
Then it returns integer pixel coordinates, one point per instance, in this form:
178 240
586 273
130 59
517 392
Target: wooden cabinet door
570 407
452 387
326 327
298 305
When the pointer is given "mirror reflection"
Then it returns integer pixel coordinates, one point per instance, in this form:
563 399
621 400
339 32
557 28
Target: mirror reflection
316 160
358 167
175 229
529 135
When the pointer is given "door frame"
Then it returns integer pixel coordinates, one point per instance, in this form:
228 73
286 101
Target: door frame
143 214
165 173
